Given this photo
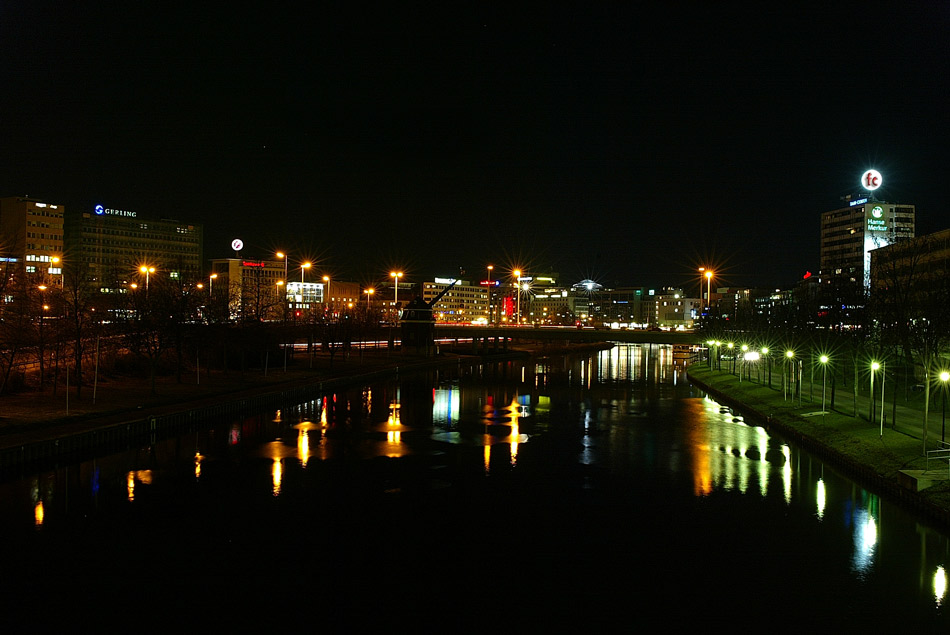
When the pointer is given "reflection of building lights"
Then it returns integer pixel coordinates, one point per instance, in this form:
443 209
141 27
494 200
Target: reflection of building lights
821 498
487 456
198 459
38 514
130 486
940 585
394 436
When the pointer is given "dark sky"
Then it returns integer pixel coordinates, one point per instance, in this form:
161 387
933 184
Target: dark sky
597 140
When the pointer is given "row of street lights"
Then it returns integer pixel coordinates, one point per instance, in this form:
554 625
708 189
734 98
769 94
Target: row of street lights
875 366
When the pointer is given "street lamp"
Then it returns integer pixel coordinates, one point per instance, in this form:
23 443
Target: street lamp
303 267
517 274
944 377
211 283
369 294
709 275
874 368
786 384
490 267
282 256
768 361
732 354
396 275
146 270
824 368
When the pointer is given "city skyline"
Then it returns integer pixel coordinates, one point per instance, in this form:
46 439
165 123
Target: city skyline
621 145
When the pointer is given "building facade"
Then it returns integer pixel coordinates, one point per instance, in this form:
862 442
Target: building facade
113 245
464 302
849 235
32 234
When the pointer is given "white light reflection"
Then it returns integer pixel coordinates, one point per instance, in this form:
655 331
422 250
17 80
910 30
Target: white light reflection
821 498
787 473
940 585
865 540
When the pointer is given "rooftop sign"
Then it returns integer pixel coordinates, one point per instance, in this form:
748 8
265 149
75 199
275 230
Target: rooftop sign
108 211
871 180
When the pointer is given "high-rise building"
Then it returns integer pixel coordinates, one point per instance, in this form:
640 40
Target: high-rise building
849 234
113 244
31 231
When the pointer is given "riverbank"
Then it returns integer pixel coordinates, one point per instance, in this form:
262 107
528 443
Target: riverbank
890 459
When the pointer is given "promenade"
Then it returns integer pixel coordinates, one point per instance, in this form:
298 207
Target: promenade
891 458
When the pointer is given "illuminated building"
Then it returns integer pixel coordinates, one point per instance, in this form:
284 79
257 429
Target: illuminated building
253 291
849 234
114 243
31 232
464 302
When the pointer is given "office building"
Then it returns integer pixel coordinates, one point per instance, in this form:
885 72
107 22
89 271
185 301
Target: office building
849 234
114 244
32 234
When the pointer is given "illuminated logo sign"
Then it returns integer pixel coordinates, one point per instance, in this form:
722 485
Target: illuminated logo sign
247 263
860 201
490 283
108 211
871 180
237 244
444 280
877 212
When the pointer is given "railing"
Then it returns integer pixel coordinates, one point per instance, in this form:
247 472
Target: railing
942 453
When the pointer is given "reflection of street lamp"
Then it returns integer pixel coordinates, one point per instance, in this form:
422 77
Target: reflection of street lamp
824 368
944 376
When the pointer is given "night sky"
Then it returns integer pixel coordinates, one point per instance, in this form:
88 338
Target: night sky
598 140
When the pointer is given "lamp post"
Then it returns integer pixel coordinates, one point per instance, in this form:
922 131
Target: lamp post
824 368
211 283
147 270
786 384
732 353
303 267
283 256
396 275
944 377
490 267
874 368
709 275
369 294
326 300
768 361
517 274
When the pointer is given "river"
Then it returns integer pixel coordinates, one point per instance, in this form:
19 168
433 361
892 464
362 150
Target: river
601 491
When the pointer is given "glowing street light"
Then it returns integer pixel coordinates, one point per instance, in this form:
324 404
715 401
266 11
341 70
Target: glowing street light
147 270
283 256
786 382
369 294
490 267
211 279
768 360
303 267
709 276
396 275
874 368
944 377
824 369
517 274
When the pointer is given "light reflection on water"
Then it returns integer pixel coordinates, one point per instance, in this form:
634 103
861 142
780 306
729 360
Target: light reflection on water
624 414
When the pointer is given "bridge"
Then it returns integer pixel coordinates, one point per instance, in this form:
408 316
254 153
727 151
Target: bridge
564 334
